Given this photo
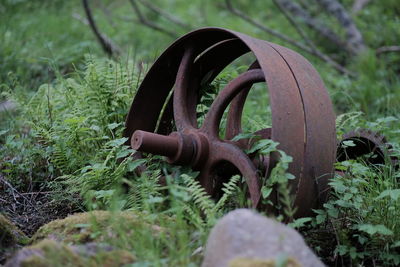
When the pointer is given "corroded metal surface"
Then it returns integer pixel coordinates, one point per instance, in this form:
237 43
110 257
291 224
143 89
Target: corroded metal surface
371 145
303 120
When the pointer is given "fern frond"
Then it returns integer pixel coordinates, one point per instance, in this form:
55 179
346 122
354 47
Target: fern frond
194 217
199 195
229 189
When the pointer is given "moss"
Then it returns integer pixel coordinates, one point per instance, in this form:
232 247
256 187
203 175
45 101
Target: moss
48 253
112 258
250 262
86 227
51 253
10 235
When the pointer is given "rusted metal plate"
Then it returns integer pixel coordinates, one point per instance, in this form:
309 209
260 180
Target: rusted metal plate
303 121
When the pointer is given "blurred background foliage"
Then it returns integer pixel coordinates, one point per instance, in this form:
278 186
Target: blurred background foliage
39 37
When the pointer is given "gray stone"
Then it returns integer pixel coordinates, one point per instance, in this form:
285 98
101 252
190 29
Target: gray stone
244 234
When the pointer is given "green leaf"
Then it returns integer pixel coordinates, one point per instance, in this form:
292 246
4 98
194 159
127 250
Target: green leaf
320 218
387 119
75 120
117 142
374 229
341 250
298 223
392 193
289 176
333 212
113 125
123 153
343 203
245 136
349 143
154 200
285 158
136 163
264 146
396 244
95 128
266 191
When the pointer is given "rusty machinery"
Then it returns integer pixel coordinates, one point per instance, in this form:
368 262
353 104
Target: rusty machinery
303 120
368 144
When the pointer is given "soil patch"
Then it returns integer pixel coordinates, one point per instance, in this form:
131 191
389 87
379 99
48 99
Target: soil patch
30 210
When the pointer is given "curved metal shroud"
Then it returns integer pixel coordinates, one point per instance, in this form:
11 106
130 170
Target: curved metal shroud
303 121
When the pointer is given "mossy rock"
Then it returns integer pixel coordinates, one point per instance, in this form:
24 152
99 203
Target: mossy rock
10 235
250 262
11 238
52 253
92 226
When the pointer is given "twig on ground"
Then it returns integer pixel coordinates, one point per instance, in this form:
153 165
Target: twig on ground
38 193
15 192
108 46
286 38
143 20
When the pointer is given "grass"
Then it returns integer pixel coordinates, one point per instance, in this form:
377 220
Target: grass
66 134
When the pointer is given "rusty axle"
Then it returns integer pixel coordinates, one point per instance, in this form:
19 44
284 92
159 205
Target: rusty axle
155 143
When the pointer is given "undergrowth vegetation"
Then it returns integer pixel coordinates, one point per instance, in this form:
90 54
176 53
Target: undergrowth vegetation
65 136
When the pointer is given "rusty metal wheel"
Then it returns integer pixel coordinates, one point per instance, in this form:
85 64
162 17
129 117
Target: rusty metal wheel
370 144
303 121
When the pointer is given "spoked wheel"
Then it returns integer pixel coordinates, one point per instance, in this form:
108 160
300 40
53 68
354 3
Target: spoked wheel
303 121
368 144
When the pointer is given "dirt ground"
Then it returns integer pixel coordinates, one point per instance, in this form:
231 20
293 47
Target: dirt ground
30 210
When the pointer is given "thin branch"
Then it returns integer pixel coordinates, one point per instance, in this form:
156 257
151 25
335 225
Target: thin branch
359 5
108 14
387 49
150 24
165 14
354 41
80 18
285 38
262 27
108 46
38 193
15 191
282 8
315 50
316 25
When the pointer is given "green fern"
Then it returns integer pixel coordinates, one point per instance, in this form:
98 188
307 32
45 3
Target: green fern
199 195
203 202
229 189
